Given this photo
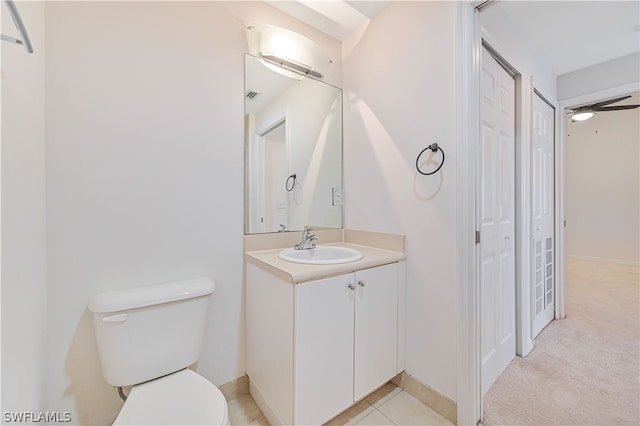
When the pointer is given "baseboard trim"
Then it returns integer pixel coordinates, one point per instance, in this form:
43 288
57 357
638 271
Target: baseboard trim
603 259
264 407
235 388
433 399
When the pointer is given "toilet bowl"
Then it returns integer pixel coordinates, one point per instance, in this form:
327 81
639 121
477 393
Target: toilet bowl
147 338
182 398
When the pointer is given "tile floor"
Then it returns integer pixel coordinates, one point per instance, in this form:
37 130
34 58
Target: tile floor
389 405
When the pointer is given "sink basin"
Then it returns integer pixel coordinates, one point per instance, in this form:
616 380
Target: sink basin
321 255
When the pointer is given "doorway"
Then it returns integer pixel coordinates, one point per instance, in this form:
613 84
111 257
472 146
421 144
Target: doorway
470 376
503 218
275 212
496 218
268 157
509 238
565 382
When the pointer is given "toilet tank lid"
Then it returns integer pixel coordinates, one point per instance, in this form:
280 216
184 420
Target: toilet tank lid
138 297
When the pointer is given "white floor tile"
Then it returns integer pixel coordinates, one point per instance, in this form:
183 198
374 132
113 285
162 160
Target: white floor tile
375 418
387 406
244 411
383 394
403 409
352 415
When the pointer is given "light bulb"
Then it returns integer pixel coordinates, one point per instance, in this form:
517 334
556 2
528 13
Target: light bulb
582 116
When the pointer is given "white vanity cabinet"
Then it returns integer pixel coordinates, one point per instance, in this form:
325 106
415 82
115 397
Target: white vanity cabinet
327 343
346 331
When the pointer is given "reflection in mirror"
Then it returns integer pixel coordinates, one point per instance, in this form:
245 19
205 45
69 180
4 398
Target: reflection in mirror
293 150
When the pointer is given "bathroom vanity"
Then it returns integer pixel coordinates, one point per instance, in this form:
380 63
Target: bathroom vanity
322 337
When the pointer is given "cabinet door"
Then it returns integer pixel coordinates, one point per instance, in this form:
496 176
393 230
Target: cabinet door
323 349
376 328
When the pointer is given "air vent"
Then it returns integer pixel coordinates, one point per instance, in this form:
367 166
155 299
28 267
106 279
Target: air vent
251 94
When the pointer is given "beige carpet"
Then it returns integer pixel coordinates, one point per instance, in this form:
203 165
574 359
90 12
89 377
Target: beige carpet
585 369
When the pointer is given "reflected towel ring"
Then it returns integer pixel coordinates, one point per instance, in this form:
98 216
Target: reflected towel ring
433 147
286 185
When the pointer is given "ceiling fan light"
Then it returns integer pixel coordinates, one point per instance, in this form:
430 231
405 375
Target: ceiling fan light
582 116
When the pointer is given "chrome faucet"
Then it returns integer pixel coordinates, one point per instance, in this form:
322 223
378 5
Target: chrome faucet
308 241
283 228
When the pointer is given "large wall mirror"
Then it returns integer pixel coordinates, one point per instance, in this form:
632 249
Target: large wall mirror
293 150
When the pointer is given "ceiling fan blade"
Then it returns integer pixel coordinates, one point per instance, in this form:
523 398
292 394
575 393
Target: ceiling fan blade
583 108
610 101
616 108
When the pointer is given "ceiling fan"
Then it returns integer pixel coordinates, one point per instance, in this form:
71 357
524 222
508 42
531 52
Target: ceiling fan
585 112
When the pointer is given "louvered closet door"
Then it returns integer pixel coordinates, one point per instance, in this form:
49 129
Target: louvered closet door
543 280
497 212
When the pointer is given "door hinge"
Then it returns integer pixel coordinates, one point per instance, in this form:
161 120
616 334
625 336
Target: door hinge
477 237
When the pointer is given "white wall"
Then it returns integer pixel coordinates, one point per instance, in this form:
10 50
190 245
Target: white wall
145 146
314 132
23 215
400 93
603 186
611 74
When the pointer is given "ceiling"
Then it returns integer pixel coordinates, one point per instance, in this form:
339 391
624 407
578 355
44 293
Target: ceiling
569 35
338 18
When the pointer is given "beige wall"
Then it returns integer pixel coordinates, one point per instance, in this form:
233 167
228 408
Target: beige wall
24 263
603 186
145 148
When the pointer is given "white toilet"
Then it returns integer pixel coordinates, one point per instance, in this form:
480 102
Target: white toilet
147 337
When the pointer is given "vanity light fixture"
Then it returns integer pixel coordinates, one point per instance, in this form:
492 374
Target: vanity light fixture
17 20
582 116
291 65
288 50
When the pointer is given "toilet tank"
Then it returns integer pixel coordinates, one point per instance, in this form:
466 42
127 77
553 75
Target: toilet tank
148 332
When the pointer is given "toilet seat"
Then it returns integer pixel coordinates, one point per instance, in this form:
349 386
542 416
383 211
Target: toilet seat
181 398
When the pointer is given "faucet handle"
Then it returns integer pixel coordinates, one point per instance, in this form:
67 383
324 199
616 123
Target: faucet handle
310 242
307 240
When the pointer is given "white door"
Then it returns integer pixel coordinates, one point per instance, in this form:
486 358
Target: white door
543 215
496 217
376 328
323 348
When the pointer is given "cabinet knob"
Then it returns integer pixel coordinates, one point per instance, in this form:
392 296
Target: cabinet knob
362 283
351 286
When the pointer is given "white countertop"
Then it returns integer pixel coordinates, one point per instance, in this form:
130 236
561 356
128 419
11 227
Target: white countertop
299 272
